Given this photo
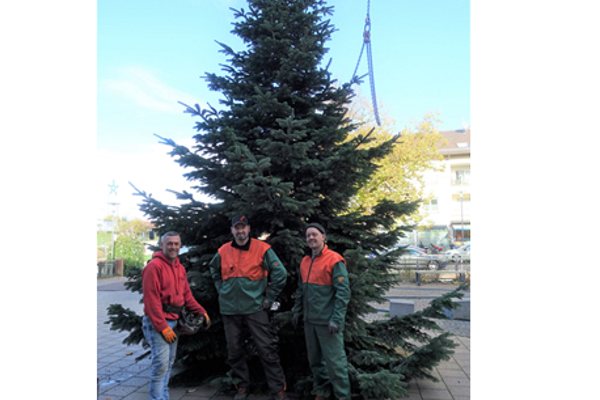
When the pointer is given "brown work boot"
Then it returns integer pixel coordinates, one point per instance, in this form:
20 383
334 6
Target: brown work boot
242 394
278 396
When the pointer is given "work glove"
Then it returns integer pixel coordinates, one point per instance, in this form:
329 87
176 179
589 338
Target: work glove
295 321
206 323
169 335
333 328
266 304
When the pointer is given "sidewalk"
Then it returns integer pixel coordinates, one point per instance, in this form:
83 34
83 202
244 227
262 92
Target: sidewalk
121 378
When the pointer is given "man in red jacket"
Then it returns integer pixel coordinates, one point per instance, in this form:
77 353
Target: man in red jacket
166 289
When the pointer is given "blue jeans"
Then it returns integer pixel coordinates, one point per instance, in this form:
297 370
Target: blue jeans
162 355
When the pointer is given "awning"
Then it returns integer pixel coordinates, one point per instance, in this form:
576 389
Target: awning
459 227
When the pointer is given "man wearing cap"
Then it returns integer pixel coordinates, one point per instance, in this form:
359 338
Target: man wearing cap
321 300
166 289
249 276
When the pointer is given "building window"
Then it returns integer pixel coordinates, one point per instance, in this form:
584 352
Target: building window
461 237
462 177
432 206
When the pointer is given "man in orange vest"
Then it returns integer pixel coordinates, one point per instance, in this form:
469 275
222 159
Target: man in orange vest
243 270
321 301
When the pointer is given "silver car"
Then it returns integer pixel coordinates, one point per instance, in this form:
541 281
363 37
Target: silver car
462 254
415 257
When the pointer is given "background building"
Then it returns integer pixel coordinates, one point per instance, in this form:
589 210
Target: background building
450 208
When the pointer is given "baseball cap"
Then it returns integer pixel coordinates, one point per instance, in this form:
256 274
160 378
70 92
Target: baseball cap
239 219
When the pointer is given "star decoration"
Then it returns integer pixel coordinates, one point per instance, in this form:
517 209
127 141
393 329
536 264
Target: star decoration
113 188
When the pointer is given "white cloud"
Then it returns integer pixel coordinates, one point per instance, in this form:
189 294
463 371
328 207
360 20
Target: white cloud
146 90
152 171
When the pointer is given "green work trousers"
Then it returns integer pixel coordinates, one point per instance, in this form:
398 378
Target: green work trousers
327 360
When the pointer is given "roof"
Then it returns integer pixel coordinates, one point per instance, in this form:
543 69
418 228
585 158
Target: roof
459 142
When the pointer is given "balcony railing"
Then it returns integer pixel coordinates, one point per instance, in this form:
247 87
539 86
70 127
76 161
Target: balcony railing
461 182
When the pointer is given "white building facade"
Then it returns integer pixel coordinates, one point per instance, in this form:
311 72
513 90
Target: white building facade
451 188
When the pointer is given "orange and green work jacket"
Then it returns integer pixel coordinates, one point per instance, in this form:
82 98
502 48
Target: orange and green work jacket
241 276
324 290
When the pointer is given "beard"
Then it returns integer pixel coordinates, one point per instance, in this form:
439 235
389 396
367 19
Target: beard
241 237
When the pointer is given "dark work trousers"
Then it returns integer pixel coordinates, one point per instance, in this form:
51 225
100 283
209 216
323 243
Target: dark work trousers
258 324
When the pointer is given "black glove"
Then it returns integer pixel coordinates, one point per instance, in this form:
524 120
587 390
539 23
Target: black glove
266 304
295 321
333 328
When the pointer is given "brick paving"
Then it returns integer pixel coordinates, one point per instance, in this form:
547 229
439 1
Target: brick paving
120 377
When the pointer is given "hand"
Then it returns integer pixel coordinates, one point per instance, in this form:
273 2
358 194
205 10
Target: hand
333 328
206 321
169 335
266 304
295 321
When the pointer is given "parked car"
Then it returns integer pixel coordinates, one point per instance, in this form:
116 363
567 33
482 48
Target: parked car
462 253
415 257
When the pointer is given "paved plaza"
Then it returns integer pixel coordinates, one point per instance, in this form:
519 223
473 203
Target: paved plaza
120 377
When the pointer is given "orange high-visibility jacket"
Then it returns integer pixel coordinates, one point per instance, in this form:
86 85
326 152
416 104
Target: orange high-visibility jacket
324 291
241 277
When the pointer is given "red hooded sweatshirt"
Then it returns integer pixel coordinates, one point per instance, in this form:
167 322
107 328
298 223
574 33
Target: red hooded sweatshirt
165 282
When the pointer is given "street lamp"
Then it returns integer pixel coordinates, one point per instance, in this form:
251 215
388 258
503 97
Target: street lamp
114 212
113 189
462 225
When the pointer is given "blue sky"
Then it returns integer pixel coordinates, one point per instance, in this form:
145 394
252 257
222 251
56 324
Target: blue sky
151 54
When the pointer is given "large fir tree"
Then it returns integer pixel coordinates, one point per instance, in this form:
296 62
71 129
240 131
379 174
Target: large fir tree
276 151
